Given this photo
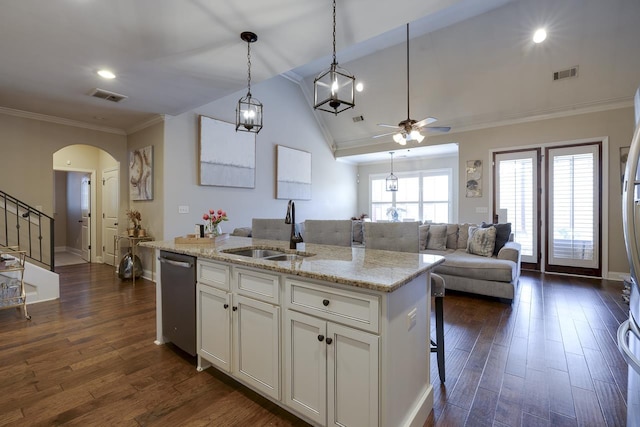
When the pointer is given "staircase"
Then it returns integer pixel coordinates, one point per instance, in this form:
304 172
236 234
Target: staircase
31 230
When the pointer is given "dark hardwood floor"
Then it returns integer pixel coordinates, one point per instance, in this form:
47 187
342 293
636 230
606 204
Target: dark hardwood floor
550 359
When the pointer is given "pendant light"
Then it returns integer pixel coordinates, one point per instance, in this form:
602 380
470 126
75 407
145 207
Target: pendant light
249 110
333 90
392 180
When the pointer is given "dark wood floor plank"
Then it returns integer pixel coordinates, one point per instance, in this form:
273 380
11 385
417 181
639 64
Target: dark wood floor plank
536 395
510 401
89 359
610 398
588 411
560 396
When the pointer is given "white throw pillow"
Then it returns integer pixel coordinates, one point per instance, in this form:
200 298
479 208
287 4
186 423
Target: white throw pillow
481 241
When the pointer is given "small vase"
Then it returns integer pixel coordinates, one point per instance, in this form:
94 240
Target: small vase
213 230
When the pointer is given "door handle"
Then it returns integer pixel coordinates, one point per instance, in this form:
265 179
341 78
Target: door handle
79 220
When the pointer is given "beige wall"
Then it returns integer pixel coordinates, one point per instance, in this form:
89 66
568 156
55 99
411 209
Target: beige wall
616 125
27 160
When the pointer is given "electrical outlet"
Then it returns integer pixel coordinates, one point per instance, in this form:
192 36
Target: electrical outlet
482 209
411 318
183 209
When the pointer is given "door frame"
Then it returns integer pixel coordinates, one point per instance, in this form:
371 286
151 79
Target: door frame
604 219
93 208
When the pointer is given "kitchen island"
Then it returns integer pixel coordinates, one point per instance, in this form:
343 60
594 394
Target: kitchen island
336 335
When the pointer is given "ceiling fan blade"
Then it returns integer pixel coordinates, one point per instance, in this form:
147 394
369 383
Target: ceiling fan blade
387 126
383 134
439 128
425 122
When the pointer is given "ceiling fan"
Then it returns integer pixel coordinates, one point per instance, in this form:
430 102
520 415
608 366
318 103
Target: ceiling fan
409 129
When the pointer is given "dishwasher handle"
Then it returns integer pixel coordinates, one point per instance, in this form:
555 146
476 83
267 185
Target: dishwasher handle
175 263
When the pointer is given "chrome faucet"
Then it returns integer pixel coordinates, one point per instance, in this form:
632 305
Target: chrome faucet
291 219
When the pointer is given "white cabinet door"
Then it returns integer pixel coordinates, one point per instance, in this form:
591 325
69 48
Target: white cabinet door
352 383
256 330
214 326
306 365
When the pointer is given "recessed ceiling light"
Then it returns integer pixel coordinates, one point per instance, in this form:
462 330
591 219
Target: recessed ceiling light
540 35
106 74
359 87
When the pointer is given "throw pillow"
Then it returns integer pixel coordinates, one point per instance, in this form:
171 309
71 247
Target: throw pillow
481 241
503 232
463 235
423 232
437 237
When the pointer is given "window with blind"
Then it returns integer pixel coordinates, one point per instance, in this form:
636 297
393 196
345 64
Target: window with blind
573 206
421 196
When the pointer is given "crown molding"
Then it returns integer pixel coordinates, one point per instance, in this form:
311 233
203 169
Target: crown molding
479 124
59 120
152 121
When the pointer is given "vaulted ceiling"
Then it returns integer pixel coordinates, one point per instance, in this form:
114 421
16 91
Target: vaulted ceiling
472 61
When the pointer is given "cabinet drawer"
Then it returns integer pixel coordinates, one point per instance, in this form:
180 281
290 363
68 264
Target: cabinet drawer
258 285
349 308
213 274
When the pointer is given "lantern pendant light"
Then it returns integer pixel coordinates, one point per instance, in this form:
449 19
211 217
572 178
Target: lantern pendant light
249 109
392 180
333 89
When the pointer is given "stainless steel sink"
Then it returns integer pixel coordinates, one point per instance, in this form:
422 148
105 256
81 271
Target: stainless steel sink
253 253
285 257
267 254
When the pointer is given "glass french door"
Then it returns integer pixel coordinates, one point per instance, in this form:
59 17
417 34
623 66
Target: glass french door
570 226
573 209
517 200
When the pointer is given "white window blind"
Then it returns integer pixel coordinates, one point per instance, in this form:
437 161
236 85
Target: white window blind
573 207
516 185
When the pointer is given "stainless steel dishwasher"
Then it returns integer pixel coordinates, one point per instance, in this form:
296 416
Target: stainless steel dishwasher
178 281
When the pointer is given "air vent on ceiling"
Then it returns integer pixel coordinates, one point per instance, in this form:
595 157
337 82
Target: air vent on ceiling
357 119
105 94
566 74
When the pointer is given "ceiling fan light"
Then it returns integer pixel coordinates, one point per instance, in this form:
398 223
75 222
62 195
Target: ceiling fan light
397 137
417 136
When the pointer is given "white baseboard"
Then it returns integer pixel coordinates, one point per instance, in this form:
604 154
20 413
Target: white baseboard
615 275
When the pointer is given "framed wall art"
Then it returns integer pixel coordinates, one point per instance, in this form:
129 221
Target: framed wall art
293 174
141 173
226 158
474 178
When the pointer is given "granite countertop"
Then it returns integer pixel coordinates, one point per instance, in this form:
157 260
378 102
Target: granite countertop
378 270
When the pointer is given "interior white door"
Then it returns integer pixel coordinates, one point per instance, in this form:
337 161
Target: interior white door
110 206
85 211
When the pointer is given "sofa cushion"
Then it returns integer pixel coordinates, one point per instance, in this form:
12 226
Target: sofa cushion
437 237
452 236
462 264
423 232
463 236
481 241
503 231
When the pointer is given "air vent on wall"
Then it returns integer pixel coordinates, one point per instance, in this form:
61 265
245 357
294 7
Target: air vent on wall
357 119
566 74
105 94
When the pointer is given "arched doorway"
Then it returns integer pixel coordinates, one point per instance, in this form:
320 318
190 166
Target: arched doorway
78 203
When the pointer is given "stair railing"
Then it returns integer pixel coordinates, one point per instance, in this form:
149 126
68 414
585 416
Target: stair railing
28 228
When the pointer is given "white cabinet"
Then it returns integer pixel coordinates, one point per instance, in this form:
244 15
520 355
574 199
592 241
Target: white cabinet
331 370
213 337
236 333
